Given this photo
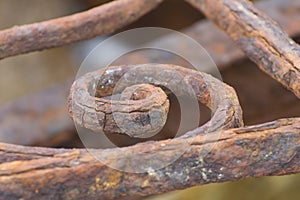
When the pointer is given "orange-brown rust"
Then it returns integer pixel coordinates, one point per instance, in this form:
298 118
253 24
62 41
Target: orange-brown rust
137 118
262 40
262 150
98 21
223 51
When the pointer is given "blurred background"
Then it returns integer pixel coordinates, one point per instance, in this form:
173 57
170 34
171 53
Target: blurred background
24 78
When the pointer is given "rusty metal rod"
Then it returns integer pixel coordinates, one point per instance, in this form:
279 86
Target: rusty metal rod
216 42
90 107
261 38
41 173
266 149
98 21
37 118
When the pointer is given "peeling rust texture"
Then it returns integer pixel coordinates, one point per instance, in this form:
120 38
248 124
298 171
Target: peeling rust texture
221 48
261 38
98 21
266 149
90 109
42 173
223 51
217 43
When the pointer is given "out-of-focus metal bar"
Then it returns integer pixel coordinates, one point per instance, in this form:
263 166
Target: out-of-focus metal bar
98 21
216 42
36 118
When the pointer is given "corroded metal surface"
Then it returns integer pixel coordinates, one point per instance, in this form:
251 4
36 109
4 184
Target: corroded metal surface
261 38
42 173
217 43
98 21
224 155
92 111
